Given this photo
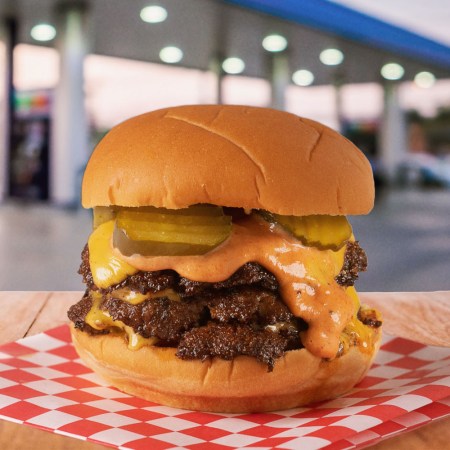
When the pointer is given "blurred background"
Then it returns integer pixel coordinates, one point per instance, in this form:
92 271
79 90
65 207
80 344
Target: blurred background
379 72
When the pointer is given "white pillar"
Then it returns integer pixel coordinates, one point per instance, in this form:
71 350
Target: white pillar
338 82
7 41
70 148
220 51
215 66
393 137
279 79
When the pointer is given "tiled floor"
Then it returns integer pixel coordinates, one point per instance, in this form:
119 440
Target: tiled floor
40 247
407 239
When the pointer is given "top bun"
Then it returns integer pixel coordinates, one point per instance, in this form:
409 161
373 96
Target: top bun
247 157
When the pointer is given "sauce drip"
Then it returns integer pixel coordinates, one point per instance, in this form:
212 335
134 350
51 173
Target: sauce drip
305 275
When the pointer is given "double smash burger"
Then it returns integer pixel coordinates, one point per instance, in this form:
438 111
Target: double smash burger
221 266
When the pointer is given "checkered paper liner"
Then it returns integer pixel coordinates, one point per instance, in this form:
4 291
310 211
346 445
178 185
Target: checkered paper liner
44 384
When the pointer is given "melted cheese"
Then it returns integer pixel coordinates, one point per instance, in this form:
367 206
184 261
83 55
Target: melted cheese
107 269
134 298
100 320
357 334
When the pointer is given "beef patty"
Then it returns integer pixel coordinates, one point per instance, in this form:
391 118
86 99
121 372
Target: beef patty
243 315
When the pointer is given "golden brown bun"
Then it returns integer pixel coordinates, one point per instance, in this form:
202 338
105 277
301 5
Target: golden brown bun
237 156
241 385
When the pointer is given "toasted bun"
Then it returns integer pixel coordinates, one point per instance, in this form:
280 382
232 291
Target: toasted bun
231 156
241 385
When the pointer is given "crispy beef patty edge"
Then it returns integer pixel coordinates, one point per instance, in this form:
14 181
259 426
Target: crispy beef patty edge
243 315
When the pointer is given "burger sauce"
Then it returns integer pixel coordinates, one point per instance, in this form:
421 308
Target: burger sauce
305 276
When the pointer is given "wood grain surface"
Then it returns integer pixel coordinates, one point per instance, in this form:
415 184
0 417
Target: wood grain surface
423 317
420 316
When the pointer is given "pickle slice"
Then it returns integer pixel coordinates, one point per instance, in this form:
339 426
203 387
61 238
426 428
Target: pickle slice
102 214
158 231
327 232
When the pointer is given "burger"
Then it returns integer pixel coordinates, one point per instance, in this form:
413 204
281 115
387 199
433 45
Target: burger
221 267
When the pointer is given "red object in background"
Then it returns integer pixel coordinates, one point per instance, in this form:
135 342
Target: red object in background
30 146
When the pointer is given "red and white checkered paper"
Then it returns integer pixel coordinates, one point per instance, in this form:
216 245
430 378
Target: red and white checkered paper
44 384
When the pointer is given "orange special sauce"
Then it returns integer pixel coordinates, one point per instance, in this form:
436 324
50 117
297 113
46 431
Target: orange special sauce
305 276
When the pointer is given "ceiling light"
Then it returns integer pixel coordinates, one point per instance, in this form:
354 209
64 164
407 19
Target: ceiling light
424 79
233 65
303 77
43 32
153 14
331 57
274 43
392 71
171 55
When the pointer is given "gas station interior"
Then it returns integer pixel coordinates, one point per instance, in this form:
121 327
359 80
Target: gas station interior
71 70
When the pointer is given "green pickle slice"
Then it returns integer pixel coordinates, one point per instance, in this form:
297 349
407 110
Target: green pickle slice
326 232
103 214
153 231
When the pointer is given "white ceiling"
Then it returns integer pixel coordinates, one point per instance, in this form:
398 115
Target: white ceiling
194 25
430 18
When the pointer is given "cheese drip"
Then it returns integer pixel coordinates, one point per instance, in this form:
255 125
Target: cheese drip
106 268
305 274
101 320
355 332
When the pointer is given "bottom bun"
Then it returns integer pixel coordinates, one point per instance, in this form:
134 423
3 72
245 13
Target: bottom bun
241 385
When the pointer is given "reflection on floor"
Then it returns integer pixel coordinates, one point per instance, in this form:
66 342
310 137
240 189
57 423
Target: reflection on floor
406 237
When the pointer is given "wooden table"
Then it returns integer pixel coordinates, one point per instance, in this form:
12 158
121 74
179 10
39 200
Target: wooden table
27 313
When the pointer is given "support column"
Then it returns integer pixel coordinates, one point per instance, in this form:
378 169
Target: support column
70 148
219 53
8 40
279 78
393 137
338 82
215 66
